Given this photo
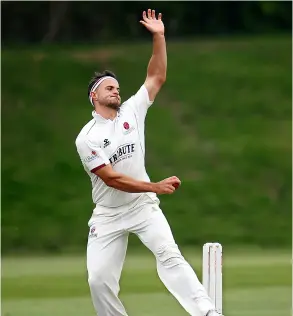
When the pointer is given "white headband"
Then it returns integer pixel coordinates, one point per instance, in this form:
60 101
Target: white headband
95 86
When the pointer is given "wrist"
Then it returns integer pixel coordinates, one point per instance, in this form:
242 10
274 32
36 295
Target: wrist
154 187
159 34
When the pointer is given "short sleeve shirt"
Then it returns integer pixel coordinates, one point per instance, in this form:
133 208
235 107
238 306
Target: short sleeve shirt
119 142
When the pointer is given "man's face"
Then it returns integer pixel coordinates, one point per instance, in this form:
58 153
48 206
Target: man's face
107 94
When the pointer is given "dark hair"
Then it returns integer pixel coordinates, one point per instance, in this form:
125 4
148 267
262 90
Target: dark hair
97 76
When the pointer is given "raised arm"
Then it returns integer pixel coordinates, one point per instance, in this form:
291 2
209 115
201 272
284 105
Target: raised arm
157 67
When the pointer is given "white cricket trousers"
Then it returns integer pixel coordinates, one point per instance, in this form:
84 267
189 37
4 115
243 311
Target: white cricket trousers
107 243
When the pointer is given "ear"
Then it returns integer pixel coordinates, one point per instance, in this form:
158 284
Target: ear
93 95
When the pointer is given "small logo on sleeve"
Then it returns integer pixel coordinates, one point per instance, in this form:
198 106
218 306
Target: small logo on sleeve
90 158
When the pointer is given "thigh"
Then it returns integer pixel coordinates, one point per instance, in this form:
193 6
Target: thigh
107 244
153 229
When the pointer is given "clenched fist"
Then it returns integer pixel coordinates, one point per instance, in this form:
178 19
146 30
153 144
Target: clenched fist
167 186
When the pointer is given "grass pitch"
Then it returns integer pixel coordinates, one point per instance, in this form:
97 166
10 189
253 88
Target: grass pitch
256 283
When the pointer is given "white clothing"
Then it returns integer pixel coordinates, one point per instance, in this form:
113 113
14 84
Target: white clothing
107 244
117 213
119 142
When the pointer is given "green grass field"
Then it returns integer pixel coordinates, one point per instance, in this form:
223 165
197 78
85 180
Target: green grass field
222 124
256 283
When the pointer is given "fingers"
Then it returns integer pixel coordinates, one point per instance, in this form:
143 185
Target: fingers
151 14
174 179
169 185
166 189
144 16
177 181
170 189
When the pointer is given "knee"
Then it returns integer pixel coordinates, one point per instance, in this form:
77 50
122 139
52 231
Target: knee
98 278
169 255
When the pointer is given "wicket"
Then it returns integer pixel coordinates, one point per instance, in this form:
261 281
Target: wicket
212 273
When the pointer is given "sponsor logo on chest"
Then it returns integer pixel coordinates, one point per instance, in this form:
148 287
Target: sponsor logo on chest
122 152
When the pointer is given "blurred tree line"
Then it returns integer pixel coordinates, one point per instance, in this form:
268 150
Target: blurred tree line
58 21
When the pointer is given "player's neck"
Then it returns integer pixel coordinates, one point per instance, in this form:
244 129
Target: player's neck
105 112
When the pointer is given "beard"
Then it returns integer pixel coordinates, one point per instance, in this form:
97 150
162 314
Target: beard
113 105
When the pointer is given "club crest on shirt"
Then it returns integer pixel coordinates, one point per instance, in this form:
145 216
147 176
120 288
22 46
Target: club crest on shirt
93 232
127 128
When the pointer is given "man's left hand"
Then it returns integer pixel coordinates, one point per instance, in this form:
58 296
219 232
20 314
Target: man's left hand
154 25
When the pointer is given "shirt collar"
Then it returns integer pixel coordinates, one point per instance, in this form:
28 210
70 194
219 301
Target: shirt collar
100 119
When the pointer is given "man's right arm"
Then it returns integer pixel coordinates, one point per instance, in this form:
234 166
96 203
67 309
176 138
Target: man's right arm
94 158
124 183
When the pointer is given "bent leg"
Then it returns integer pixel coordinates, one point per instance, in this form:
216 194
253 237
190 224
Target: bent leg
174 271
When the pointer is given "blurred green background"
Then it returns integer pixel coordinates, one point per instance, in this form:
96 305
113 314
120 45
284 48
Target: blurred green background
221 123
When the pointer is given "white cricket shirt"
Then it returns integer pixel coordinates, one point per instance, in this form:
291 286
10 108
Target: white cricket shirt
119 142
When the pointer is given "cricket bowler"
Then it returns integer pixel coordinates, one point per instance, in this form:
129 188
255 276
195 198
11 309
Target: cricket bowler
111 147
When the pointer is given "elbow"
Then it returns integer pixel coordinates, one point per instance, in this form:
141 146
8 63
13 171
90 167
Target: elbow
110 181
160 80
